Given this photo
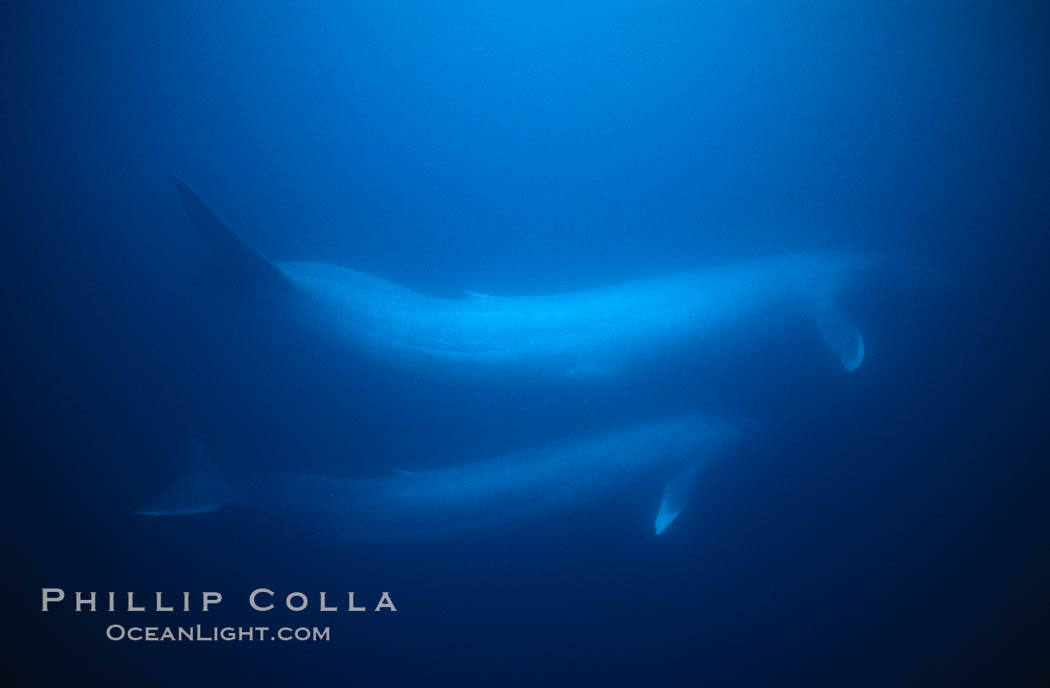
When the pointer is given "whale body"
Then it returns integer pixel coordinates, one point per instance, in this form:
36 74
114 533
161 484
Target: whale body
549 480
593 333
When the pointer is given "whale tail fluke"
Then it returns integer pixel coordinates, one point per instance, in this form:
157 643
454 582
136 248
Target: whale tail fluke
198 490
232 258
841 335
675 497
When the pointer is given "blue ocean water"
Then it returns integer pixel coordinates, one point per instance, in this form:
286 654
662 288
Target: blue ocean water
887 525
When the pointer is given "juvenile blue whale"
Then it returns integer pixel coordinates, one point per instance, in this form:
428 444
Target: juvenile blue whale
543 481
594 333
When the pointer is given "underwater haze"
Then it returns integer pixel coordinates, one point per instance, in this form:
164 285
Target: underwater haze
621 343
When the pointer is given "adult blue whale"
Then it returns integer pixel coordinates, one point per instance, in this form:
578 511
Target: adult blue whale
597 332
543 481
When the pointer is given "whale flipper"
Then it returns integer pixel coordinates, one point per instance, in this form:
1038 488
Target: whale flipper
841 335
197 491
675 497
232 256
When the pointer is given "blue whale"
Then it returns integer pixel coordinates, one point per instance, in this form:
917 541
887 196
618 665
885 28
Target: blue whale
594 333
545 481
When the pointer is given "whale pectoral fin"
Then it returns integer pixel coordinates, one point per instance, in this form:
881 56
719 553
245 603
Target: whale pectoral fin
676 496
841 335
232 257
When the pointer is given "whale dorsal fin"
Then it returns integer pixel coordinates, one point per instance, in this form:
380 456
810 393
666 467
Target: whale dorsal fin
198 490
232 257
676 496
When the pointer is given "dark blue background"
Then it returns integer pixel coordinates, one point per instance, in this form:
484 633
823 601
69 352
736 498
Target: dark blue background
884 526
